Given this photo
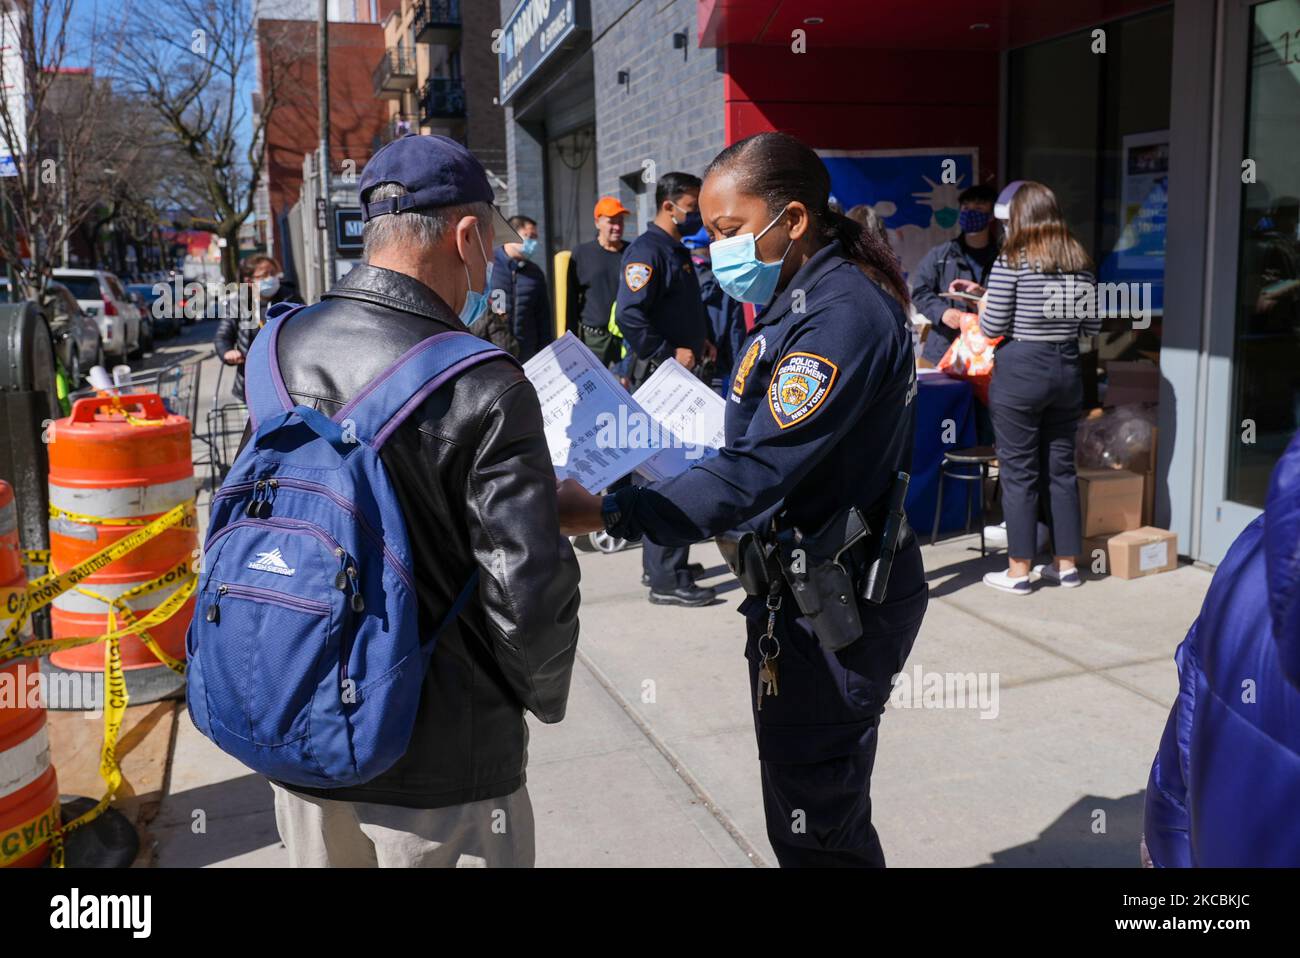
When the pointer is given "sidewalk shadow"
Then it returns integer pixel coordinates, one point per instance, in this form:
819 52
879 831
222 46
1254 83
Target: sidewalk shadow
968 571
1094 832
238 817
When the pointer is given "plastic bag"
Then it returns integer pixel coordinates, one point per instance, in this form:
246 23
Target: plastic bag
1121 438
970 357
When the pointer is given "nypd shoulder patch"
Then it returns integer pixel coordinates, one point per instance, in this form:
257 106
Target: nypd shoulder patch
636 275
800 385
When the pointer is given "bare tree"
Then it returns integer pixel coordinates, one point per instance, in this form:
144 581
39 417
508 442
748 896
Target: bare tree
139 197
194 67
55 124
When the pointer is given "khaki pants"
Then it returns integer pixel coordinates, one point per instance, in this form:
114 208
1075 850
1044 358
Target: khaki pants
323 833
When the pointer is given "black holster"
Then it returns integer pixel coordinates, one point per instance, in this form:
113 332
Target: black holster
751 560
822 569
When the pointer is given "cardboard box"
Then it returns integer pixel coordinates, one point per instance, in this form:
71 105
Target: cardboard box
1131 382
1110 500
1143 551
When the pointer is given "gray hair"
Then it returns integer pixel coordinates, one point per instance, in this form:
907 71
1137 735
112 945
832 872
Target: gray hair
417 229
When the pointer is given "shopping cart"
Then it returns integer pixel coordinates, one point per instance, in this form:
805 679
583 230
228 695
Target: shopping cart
225 421
177 384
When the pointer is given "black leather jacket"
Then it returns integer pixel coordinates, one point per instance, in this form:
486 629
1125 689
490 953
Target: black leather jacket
474 478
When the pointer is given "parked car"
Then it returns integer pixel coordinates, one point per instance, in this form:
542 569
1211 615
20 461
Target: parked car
147 321
76 336
101 295
163 322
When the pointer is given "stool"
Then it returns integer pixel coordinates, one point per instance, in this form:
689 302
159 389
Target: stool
956 465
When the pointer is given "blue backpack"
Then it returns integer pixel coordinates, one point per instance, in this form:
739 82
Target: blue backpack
305 654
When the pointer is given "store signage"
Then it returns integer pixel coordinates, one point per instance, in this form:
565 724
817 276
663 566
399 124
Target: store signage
347 229
534 31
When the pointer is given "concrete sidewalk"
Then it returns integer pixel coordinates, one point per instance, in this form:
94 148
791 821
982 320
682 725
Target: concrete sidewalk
655 763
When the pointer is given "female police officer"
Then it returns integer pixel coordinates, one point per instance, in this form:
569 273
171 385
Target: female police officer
819 419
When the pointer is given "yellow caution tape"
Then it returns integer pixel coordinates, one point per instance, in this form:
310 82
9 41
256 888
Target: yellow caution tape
39 557
45 589
41 592
161 613
89 520
115 702
124 611
25 838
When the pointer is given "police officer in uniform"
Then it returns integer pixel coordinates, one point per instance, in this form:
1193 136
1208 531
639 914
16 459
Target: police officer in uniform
809 487
662 316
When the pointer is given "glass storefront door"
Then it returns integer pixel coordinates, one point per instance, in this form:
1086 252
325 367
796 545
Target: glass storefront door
1266 359
1253 382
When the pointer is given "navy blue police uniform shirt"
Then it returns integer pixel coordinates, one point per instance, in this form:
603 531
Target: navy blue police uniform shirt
819 415
659 309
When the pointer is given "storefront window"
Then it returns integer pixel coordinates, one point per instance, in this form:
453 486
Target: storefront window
1266 360
1095 128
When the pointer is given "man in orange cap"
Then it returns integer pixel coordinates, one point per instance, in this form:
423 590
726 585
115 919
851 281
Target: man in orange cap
594 271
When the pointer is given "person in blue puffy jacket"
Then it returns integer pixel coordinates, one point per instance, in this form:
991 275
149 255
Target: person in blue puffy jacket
1225 784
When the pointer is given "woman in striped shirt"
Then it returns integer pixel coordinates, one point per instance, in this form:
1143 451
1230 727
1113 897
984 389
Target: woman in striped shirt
1041 297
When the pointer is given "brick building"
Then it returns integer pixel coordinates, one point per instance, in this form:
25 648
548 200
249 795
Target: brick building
357 117
438 75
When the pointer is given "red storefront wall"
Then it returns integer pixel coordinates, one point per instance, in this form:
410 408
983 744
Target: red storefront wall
881 74
850 99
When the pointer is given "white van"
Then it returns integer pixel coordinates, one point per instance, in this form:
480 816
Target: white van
101 295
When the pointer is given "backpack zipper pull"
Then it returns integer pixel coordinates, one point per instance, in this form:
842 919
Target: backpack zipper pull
358 603
341 577
214 610
269 499
254 504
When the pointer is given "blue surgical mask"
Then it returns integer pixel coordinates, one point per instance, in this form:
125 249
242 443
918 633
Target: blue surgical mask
476 303
268 286
739 271
529 246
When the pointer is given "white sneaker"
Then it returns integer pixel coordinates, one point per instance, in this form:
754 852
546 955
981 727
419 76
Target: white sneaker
1000 580
1069 579
995 537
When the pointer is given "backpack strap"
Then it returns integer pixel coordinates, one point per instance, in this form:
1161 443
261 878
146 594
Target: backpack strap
264 389
400 389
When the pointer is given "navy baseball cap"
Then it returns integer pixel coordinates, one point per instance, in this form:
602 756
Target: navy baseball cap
435 171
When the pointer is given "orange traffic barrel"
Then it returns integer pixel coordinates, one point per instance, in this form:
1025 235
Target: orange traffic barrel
118 459
29 790
11 560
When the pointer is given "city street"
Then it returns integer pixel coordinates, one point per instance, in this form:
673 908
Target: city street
655 764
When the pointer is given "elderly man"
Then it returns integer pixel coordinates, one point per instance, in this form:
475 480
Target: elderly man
473 477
